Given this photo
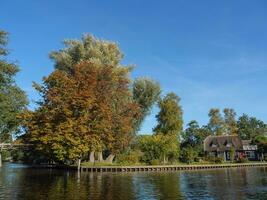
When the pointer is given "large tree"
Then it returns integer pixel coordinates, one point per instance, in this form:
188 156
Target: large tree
12 99
170 124
250 127
191 134
216 122
105 53
90 110
193 138
170 116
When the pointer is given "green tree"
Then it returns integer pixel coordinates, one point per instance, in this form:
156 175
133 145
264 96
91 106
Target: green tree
170 116
13 100
232 154
191 134
150 147
250 127
157 147
188 154
145 93
261 142
170 124
230 121
89 48
216 123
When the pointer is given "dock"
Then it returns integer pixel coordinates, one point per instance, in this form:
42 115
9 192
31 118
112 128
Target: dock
166 167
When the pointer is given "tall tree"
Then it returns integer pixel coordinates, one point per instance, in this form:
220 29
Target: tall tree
230 121
191 134
170 124
105 53
216 123
12 99
170 116
250 127
90 110
193 137
145 93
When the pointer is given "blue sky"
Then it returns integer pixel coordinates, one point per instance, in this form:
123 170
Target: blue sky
211 53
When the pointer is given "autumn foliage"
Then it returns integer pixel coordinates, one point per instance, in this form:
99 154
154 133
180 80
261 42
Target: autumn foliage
89 110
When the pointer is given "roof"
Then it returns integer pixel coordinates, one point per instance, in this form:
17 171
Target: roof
246 142
222 143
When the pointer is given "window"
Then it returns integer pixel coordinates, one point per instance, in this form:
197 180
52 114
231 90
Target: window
250 154
228 145
212 144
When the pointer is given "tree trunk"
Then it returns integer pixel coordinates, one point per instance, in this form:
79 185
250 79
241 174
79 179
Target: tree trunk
110 158
79 164
92 157
164 159
100 156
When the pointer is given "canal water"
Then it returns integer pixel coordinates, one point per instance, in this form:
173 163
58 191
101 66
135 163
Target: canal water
18 182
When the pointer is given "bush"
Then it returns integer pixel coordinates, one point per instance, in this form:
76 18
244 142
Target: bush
214 159
242 160
159 147
129 158
155 162
218 160
6 155
198 159
188 154
17 155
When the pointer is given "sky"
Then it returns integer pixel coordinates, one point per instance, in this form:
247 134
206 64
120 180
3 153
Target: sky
211 53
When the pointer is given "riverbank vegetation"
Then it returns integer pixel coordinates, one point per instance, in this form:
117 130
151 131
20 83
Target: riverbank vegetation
91 111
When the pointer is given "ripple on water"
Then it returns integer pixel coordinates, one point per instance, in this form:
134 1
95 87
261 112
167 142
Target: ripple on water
17 182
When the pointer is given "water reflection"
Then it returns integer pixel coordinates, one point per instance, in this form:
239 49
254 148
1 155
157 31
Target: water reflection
18 182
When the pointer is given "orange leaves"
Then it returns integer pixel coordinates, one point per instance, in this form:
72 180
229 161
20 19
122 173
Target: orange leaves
89 110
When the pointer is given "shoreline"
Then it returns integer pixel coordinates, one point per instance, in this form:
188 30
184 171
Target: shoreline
150 168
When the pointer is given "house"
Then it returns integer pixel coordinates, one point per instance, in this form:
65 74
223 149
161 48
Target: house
220 146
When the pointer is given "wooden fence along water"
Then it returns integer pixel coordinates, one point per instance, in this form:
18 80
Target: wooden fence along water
165 167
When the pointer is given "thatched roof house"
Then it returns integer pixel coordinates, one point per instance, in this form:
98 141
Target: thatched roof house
221 146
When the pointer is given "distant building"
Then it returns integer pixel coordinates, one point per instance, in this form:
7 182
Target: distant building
220 146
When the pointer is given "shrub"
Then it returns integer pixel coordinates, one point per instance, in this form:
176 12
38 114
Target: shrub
242 160
129 158
218 160
188 154
155 162
6 155
17 155
159 147
213 159
198 159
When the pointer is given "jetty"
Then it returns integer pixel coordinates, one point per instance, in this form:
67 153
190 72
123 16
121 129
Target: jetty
166 167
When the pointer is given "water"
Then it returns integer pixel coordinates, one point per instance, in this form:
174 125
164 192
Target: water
17 182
